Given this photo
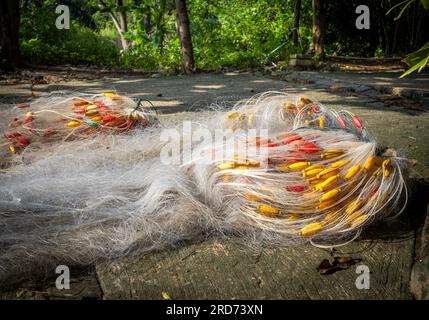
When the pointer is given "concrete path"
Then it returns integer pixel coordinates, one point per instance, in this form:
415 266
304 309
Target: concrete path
415 85
226 269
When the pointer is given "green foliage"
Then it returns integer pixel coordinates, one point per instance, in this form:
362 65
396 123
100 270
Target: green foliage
235 33
417 60
77 45
378 52
43 43
157 49
225 33
241 32
386 36
144 56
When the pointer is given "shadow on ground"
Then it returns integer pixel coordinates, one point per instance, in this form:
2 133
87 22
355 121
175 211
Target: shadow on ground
228 269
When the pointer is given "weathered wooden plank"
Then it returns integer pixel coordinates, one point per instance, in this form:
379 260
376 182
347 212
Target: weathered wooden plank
82 286
226 269
419 285
222 269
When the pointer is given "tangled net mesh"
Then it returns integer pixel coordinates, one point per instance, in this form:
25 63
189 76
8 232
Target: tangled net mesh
322 180
315 175
58 118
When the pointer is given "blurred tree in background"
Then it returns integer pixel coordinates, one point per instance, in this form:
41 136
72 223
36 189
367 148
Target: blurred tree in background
173 35
9 34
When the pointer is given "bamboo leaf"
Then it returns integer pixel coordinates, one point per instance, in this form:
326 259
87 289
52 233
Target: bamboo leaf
403 9
395 6
418 55
419 65
424 64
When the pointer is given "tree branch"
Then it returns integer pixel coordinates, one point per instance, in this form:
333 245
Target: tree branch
103 7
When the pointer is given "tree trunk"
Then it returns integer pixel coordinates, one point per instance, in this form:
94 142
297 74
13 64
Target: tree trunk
147 17
184 32
147 24
296 14
318 41
9 34
123 25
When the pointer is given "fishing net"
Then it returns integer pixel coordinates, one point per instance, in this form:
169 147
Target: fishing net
290 171
57 118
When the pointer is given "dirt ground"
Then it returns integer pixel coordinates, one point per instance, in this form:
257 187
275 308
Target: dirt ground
396 253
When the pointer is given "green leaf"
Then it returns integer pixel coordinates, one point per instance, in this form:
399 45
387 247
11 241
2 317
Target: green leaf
424 64
403 9
421 64
418 62
397 5
425 4
417 56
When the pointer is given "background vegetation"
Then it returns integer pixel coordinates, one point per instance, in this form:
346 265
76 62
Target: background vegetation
225 33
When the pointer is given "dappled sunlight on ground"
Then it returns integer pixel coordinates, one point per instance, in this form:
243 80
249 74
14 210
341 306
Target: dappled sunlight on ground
210 86
191 97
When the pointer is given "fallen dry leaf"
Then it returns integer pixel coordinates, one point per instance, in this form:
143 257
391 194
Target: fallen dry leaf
165 295
390 152
339 263
413 162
